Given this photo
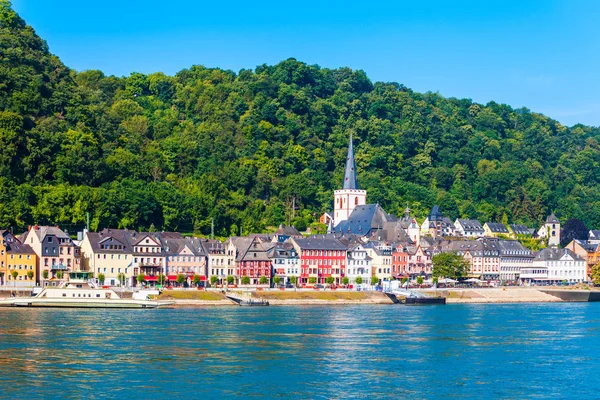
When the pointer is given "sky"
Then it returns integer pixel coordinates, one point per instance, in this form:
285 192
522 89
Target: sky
543 55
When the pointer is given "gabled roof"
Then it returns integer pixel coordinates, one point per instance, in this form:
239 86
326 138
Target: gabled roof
364 219
594 234
497 227
470 225
255 252
176 246
286 230
553 253
520 229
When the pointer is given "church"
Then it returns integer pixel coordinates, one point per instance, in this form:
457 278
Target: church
353 216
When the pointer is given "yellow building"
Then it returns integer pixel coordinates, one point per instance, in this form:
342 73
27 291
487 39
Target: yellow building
18 262
495 229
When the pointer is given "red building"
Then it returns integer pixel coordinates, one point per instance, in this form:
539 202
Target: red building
400 261
321 259
253 261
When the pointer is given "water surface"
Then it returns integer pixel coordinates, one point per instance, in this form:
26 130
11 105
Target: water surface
460 351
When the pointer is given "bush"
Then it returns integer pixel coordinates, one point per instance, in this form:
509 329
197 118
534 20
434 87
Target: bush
263 280
345 280
312 280
330 280
359 280
245 280
230 280
276 280
374 280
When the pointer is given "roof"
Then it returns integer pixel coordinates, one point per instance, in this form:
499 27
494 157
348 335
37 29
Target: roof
173 246
288 231
435 214
497 227
254 252
363 219
350 180
553 253
552 219
470 224
320 244
520 229
594 234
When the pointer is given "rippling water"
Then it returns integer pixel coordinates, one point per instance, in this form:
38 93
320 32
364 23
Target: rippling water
478 351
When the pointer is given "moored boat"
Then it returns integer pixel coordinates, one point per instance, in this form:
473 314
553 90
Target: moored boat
78 292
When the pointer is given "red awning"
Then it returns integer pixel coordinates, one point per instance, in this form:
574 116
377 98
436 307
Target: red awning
149 278
172 277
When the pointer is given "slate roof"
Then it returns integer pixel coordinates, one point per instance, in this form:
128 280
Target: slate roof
589 247
435 214
552 219
320 244
497 227
286 230
254 252
553 253
594 234
520 229
470 225
350 180
364 219
174 246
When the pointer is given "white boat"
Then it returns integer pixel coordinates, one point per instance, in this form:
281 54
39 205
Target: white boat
82 293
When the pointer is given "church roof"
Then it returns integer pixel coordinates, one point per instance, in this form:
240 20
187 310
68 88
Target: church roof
350 180
363 219
552 219
435 214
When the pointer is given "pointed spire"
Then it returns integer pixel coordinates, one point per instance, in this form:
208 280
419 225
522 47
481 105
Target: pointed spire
350 181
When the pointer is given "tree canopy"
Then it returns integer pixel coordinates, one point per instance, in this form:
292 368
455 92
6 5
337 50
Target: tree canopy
449 265
177 152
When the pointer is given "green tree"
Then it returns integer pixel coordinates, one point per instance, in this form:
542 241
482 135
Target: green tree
140 278
59 275
450 265
160 279
45 274
330 280
312 280
30 275
245 280
101 278
358 280
196 280
230 280
213 280
419 280
276 280
263 280
14 275
180 279
345 281
294 280
374 280
596 274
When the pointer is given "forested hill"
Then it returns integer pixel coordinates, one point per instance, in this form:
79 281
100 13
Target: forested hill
178 151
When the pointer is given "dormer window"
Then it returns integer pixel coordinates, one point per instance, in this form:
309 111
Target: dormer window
49 239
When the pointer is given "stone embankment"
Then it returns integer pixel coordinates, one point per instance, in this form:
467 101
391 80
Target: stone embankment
497 295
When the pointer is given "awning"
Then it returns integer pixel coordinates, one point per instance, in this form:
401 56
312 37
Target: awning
149 278
172 277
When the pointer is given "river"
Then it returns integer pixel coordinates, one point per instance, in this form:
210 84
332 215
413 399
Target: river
334 352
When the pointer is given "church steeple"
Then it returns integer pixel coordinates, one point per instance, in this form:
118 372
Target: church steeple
350 196
350 181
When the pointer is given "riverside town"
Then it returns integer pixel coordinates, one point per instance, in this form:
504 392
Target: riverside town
364 248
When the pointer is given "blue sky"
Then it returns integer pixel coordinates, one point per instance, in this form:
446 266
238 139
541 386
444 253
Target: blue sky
543 55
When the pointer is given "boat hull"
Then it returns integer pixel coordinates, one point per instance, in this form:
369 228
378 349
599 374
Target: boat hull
88 303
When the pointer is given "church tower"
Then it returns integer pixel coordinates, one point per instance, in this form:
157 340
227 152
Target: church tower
350 195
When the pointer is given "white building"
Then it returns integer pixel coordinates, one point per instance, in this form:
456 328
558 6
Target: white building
358 265
286 262
468 228
550 231
555 265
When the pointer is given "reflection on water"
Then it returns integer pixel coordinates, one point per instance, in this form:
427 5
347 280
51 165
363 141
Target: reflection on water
478 351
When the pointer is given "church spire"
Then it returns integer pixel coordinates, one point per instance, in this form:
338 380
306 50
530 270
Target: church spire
350 181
